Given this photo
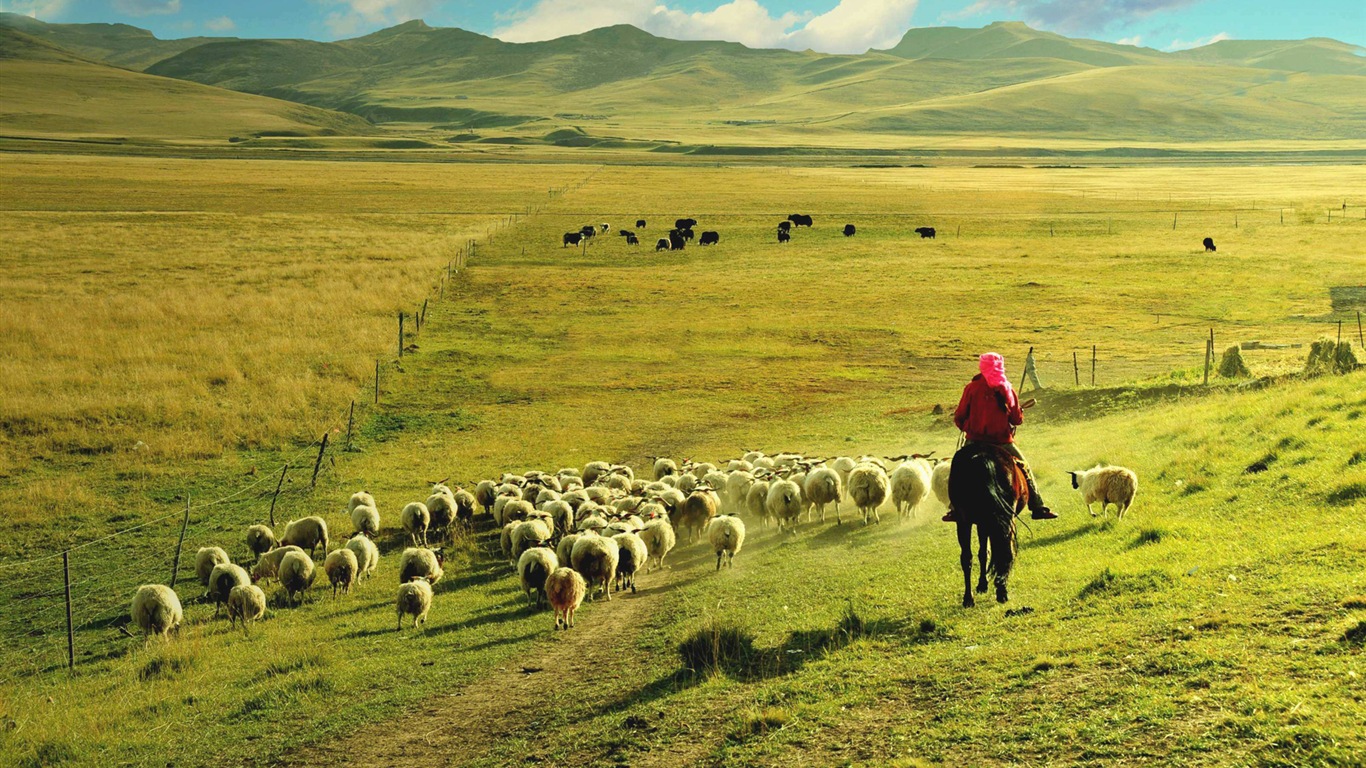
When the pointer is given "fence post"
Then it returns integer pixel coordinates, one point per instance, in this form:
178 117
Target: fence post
317 465
400 335
424 310
278 486
377 381
1024 372
70 631
350 423
1173 221
1093 365
1209 354
417 322
1360 336
184 523
1076 370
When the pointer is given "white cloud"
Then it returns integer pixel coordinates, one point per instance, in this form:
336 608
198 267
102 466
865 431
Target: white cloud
147 7
220 24
852 26
1181 45
1135 40
354 16
38 9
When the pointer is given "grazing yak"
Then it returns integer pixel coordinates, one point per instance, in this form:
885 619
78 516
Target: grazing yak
784 225
848 230
784 235
685 223
925 232
625 232
710 238
1209 244
632 240
677 241
588 230
800 220
640 223
661 245
572 238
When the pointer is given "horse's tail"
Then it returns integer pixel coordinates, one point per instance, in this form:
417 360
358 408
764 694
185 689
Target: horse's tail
1007 495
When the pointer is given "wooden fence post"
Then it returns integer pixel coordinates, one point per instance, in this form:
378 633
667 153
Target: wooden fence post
350 423
424 310
1025 372
400 335
273 499
1360 336
1093 365
377 381
1076 370
70 630
317 465
185 523
1209 354
1173 221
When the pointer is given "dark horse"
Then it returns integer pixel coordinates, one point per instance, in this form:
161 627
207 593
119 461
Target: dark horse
987 488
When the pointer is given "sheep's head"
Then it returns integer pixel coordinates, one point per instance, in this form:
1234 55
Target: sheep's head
1074 479
440 556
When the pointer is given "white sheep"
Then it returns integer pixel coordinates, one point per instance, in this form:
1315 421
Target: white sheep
737 487
268 565
222 579
595 558
464 506
367 555
420 562
843 465
415 519
441 508
565 589
784 503
665 468
533 568
309 534
246 602
632 554
1107 485
659 538
156 610
727 536
868 487
515 510
565 549
485 491
823 486
757 501
593 469
296 574
261 539
696 511
528 534
939 481
910 485
414 599
361 499
342 568
365 520
562 514
206 559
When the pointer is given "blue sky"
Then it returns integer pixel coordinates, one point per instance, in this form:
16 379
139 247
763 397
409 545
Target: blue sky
840 26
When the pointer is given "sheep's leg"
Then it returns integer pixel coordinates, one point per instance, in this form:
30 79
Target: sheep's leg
965 559
718 560
1088 509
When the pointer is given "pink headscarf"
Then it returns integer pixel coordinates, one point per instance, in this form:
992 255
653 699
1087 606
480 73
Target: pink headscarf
993 368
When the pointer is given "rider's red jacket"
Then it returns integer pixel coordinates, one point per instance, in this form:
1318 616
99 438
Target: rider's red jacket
986 414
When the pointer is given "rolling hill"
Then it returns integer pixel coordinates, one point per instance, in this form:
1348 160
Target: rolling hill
54 94
619 84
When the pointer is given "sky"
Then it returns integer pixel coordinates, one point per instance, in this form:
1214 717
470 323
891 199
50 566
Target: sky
831 26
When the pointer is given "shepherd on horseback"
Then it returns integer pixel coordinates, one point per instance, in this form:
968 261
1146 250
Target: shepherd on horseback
988 413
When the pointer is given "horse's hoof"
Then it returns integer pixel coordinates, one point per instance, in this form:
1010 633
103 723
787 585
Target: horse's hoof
1001 595
982 588
968 602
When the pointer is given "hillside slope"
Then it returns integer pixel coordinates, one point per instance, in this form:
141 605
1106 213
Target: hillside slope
121 45
51 93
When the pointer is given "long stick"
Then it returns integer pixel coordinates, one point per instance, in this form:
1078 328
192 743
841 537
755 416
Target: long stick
1093 365
1026 369
1076 371
1360 336
350 423
175 564
377 381
317 465
278 486
70 631
400 335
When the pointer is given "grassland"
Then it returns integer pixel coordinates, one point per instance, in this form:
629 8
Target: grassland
1140 647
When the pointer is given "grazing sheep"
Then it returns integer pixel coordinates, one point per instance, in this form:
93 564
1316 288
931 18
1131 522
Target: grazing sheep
687 483
464 506
516 510
361 499
727 535
1209 244
868 486
528 534
700 471
757 501
534 567
565 549
664 468
268 565
206 559
342 568
261 539
367 556
415 520
484 493
417 562
309 534
565 589
737 488
632 554
784 503
939 481
910 485
595 558
843 465
296 574
156 610
823 487
440 511
1108 485
562 514
659 539
593 469
505 540
697 510
414 599
365 520
222 579
246 602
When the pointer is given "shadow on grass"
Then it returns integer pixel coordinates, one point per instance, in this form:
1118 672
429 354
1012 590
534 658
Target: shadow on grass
1061 538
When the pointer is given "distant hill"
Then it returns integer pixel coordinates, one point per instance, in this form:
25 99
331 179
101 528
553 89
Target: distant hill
52 93
121 45
622 84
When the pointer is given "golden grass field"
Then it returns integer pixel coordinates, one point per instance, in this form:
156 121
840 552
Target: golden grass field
225 312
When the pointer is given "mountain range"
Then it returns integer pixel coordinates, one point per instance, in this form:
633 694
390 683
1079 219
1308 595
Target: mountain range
620 86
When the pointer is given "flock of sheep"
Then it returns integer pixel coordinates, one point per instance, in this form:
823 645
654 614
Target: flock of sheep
578 533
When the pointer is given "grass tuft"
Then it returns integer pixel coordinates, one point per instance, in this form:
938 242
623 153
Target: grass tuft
1110 584
1150 536
719 646
165 667
1355 635
1347 494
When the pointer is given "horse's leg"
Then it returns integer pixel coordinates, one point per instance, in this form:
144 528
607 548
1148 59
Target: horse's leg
965 556
981 558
